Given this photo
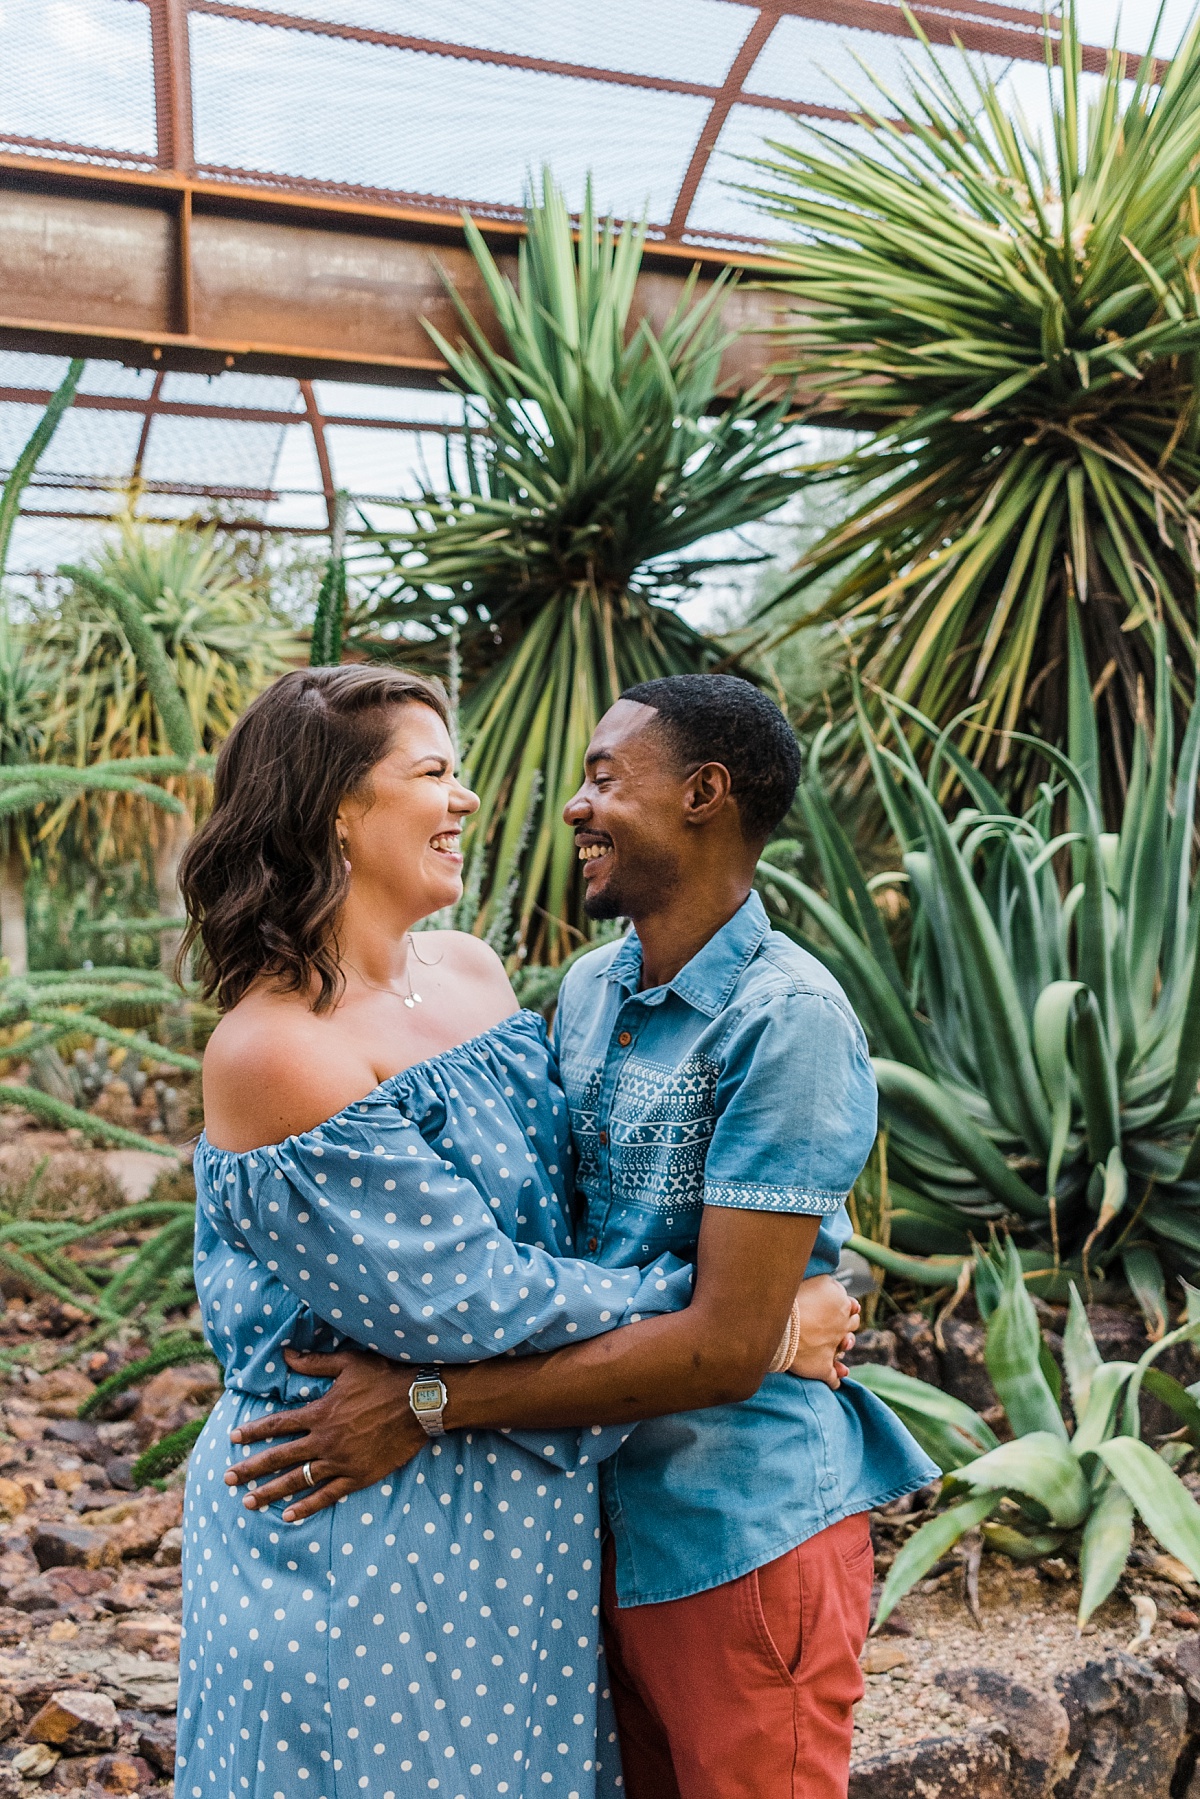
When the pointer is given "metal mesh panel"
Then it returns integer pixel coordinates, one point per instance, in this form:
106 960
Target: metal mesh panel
804 59
273 100
77 72
687 40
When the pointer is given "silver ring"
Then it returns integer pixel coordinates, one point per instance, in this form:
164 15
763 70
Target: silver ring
307 1472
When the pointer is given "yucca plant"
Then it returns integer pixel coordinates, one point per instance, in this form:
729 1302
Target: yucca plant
167 645
1050 1490
1037 1043
1015 326
598 450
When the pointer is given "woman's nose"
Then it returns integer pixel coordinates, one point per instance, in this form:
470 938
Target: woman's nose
463 800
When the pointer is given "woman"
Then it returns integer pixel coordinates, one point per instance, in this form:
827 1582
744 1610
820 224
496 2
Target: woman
383 1162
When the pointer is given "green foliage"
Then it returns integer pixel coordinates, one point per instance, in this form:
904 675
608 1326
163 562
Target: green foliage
168 1453
1049 1491
594 458
1017 331
178 1350
330 617
31 455
156 1279
1037 1043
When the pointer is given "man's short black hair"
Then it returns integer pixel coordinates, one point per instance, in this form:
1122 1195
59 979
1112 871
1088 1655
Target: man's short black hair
722 718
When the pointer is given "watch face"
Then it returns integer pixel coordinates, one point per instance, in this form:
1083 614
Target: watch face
427 1395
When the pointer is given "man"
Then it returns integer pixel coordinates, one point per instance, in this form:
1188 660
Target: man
722 1104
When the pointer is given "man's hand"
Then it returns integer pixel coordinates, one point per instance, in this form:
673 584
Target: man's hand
358 1433
828 1318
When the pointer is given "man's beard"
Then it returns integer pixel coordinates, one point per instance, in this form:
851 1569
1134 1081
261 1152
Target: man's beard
641 892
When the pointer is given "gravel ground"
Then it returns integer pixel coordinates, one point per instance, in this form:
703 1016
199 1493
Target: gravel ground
1028 1633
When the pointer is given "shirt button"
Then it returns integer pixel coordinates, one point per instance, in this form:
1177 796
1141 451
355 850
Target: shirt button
593 1245
604 1136
625 1039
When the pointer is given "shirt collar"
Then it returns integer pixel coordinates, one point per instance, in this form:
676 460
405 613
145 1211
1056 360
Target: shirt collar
708 980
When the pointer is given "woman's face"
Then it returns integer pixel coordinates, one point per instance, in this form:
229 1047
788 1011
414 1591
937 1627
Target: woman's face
402 840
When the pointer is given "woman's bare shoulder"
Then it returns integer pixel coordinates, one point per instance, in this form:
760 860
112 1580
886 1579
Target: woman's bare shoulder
466 957
272 1068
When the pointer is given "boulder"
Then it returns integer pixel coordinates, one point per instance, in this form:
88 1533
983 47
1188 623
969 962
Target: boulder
75 1722
122 1773
169 1553
74 1545
156 1742
1128 1730
876 1346
154 1633
60 1393
972 1766
34 1762
143 1529
916 1350
174 1397
964 1371
1036 1725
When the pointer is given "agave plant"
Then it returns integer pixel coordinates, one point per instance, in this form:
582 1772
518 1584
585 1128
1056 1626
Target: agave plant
598 451
1037 1045
1050 1490
1016 328
167 645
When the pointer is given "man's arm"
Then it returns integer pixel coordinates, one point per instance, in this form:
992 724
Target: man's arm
717 1351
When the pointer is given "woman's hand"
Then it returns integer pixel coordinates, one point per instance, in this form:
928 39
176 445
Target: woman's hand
828 1318
358 1433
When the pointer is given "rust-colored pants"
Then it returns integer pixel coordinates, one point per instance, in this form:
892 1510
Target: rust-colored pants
746 1691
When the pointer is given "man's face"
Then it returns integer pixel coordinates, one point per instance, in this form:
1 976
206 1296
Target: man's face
628 815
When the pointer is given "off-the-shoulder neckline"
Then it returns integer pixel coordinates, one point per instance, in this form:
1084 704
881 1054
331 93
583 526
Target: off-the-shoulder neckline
523 1017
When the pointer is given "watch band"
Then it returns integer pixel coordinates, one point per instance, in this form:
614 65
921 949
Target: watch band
427 1399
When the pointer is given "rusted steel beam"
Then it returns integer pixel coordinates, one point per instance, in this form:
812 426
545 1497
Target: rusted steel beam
200 409
751 49
172 84
89 264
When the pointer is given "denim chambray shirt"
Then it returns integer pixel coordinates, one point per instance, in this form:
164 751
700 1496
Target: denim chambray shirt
743 1082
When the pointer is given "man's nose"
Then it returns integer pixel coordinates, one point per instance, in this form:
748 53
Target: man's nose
576 810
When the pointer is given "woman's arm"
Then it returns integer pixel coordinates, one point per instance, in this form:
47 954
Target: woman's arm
714 1352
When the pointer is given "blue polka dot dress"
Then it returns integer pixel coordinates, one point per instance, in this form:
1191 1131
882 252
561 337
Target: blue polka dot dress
437 1633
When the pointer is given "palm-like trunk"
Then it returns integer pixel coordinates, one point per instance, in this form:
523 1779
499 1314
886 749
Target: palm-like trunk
14 943
174 833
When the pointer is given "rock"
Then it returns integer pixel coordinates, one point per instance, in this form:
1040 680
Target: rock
1128 1727
143 1530
74 1545
115 1105
169 1553
75 1722
135 1171
879 1657
14 1625
964 1371
96 1499
84 1436
34 1762
128 1595
155 1632
916 1350
11 1716
123 1773
16 1565
873 1346
1036 1724
13 1497
157 1744
174 1397
71 1775
60 1393
64 1630
119 1470
973 1766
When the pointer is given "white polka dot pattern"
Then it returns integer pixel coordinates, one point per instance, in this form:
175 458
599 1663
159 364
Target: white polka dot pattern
438 1632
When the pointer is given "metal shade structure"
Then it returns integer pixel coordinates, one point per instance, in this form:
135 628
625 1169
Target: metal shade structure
238 213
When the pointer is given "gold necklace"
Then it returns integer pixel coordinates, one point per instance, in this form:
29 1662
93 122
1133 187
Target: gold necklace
411 998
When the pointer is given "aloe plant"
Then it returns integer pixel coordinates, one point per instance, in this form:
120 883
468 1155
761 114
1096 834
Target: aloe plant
598 450
1050 1490
1037 1039
1013 324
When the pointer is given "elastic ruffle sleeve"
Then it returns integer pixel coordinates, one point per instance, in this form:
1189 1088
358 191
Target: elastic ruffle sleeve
378 1235
796 1107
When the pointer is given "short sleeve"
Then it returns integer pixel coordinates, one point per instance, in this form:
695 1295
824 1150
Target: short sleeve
796 1107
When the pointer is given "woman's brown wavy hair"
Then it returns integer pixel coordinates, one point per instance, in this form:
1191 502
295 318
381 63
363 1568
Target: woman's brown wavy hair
263 879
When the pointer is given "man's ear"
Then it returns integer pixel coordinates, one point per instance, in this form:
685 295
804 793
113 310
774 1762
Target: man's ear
708 789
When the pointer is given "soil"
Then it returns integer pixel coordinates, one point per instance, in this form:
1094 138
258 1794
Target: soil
1027 1632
